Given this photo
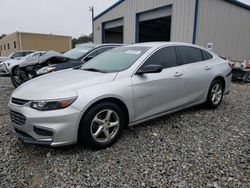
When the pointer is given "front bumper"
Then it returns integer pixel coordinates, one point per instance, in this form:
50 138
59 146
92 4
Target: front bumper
53 128
3 70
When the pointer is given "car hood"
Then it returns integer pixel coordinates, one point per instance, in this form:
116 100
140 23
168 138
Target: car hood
61 84
10 61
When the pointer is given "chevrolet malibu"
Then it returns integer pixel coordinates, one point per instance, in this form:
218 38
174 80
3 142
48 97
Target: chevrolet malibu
123 87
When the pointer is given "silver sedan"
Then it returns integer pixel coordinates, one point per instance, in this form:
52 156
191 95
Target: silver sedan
123 87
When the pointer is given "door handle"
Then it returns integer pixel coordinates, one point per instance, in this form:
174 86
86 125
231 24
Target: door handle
208 68
177 74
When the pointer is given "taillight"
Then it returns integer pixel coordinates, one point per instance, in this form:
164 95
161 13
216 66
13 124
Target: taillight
248 64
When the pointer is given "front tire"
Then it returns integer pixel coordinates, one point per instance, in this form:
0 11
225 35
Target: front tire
15 79
215 94
102 126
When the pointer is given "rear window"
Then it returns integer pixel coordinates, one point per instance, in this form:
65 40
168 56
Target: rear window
206 55
189 54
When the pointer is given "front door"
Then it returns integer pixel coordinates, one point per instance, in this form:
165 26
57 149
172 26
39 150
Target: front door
157 93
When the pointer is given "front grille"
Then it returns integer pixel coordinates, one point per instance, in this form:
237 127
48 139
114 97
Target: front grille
19 101
17 118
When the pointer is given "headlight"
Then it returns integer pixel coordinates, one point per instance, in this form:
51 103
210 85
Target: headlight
52 105
45 70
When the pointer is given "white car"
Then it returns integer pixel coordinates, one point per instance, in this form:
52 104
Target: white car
7 67
122 87
16 55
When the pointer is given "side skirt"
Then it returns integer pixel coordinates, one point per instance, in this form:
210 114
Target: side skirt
164 113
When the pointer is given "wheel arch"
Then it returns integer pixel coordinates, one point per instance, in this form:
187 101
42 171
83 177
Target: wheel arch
114 100
13 68
222 79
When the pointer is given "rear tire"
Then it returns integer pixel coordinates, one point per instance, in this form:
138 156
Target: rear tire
102 126
215 94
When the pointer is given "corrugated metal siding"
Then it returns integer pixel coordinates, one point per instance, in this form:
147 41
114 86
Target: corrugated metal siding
182 18
225 25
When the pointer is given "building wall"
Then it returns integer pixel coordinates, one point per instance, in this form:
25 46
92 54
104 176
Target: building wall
45 42
8 41
225 25
33 41
182 18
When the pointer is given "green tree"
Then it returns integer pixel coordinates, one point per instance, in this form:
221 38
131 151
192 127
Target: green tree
82 39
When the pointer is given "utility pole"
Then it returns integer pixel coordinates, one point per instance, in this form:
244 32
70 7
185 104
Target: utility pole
92 12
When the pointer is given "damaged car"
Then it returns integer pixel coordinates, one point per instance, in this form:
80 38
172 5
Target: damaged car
52 61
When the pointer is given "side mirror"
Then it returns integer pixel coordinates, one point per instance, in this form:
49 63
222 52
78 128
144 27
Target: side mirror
149 69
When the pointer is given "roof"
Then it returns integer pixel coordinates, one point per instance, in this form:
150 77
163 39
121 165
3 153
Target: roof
160 44
43 34
108 9
235 2
94 45
238 3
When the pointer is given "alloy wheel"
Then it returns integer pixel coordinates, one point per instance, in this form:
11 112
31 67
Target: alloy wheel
216 94
105 126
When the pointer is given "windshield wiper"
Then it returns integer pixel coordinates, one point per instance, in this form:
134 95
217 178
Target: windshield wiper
94 70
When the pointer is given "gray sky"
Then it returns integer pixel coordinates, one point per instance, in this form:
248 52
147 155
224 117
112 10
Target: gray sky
65 17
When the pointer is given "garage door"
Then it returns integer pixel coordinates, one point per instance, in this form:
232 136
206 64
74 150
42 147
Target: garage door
113 31
154 25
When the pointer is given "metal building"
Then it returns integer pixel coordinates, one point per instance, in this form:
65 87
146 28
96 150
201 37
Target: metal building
223 24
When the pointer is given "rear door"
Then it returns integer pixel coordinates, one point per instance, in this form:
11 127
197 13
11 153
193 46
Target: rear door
197 76
159 92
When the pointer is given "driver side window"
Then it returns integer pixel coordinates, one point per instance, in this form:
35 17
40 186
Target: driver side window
166 57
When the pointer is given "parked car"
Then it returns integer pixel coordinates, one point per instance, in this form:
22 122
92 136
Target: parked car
71 59
123 87
97 50
14 56
14 67
12 64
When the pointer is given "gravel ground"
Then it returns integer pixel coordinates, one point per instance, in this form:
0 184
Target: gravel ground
192 148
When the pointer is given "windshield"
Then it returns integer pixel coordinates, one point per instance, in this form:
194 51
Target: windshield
115 60
78 52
